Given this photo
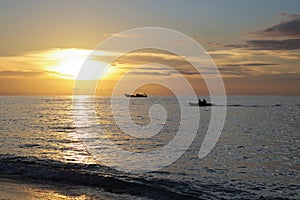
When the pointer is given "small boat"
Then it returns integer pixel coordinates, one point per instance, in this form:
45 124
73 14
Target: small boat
201 104
136 95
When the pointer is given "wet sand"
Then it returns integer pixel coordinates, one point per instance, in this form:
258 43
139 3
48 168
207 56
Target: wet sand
23 190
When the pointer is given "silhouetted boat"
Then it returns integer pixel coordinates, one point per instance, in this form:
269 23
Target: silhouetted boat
136 95
201 104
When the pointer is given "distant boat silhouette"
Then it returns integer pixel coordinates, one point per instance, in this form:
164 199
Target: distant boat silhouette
136 95
201 103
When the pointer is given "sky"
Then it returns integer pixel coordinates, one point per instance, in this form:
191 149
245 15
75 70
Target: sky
255 44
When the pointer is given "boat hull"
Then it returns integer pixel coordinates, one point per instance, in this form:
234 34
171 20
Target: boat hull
201 105
136 95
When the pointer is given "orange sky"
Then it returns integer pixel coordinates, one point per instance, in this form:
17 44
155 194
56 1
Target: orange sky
52 72
43 46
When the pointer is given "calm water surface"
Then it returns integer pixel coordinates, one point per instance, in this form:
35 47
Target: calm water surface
257 155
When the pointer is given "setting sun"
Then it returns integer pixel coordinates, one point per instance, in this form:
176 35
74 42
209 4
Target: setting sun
67 62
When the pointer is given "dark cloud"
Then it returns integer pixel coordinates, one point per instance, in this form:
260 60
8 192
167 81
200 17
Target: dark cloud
281 36
289 28
161 57
291 16
235 71
163 71
242 69
21 73
186 69
288 44
149 68
256 64
140 58
149 73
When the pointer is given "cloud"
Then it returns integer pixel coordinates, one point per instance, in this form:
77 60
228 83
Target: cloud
231 63
244 69
124 35
288 44
289 28
284 35
152 73
27 74
21 73
249 64
291 16
235 71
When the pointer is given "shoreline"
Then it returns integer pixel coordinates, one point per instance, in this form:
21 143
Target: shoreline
11 188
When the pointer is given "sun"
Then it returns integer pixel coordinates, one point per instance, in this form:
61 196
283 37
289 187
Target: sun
66 63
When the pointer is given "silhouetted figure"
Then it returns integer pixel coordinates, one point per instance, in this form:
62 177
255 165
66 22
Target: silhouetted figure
202 103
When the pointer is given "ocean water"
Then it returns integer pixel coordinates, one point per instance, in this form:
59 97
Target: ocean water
257 155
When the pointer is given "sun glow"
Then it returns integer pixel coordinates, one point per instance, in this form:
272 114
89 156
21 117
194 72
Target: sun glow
66 63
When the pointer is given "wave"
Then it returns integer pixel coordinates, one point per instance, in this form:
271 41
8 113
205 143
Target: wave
140 185
110 180
253 106
240 105
89 175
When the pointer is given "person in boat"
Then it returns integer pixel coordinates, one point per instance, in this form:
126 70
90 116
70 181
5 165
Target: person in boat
199 102
202 102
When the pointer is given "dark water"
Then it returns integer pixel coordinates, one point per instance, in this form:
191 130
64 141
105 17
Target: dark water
257 155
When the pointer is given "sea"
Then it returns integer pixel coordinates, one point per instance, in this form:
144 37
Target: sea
257 155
